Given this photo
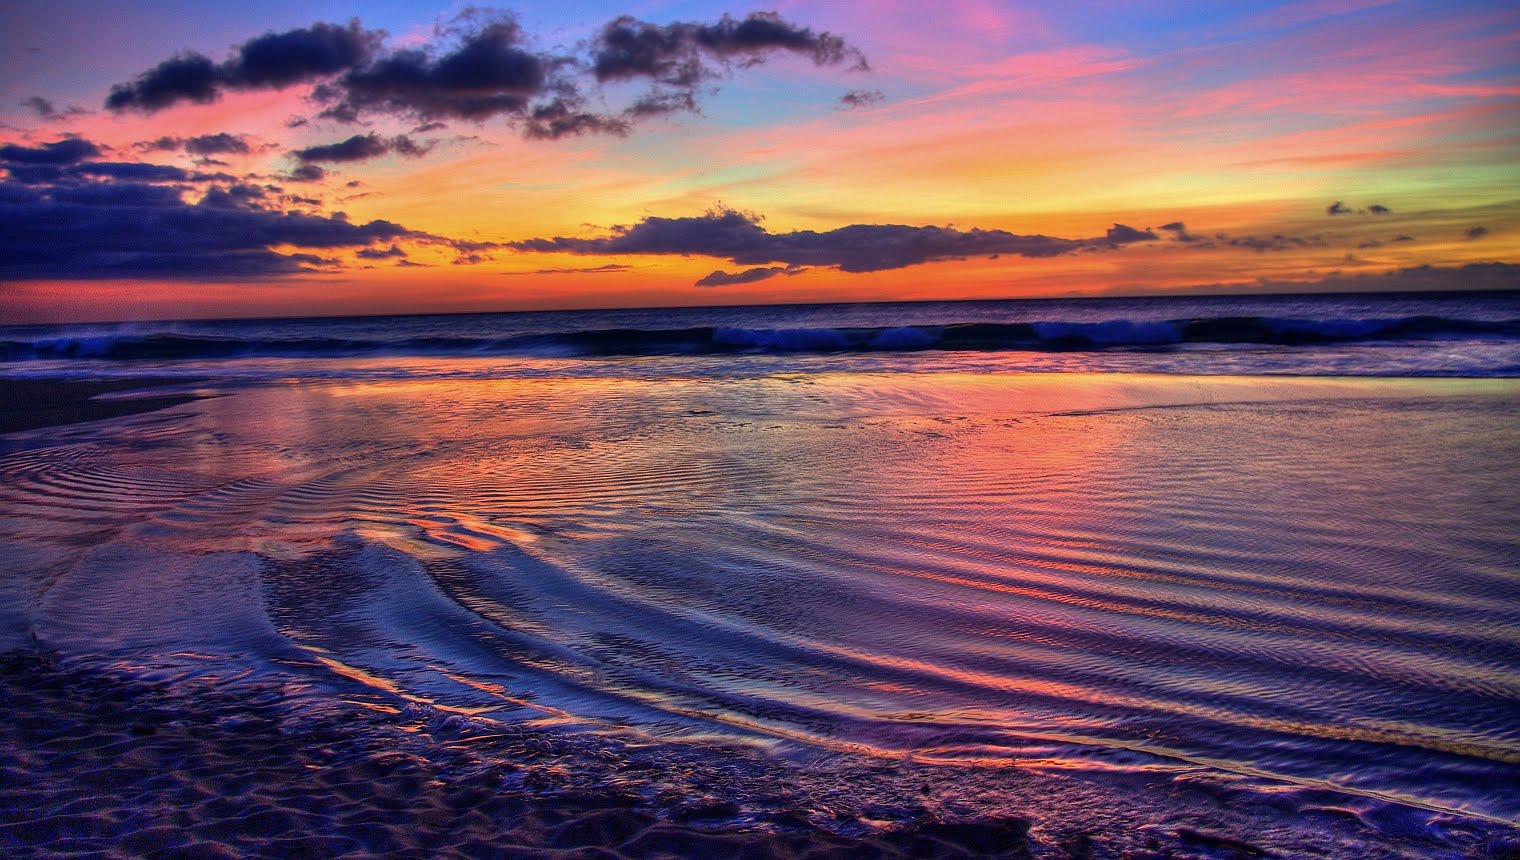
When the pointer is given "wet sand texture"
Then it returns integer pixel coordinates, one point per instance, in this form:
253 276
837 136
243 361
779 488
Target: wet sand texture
34 403
88 769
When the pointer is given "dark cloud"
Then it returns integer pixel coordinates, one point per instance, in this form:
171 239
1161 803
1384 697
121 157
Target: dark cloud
112 219
1402 237
380 253
356 148
1179 231
564 118
483 68
162 144
363 146
594 270
721 278
240 195
1477 232
1473 276
429 126
42 106
861 99
216 144
276 60
185 77
270 61
684 54
66 151
35 174
43 174
487 74
738 237
1340 208
306 173
1123 234
132 170
1274 242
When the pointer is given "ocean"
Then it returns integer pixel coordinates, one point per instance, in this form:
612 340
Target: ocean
1247 564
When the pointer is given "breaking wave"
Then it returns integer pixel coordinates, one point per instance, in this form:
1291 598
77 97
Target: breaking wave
1051 336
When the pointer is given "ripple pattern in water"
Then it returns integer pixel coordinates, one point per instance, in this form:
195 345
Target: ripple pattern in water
1309 580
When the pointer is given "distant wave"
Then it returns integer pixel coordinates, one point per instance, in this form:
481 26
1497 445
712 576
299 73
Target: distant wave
725 340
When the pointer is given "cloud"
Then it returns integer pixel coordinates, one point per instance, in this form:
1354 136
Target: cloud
184 77
109 219
1477 232
131 170
683 55
721 278
1340 208
1274 242
1472 276
738 237
306 173
1123 234
47 110
488 73
855 99
42 106
1179 231
380 253
276 60
594 270
219 143
66 151
270 61
363 146
162 144
481 67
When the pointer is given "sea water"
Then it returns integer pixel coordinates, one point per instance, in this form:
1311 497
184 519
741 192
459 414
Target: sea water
1271 541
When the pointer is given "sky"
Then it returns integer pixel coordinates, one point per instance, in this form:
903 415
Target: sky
184 159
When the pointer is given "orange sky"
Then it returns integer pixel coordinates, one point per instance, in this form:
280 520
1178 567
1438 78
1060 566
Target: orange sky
1030 119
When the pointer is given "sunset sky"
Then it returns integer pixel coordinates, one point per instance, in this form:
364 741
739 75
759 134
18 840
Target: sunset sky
186 159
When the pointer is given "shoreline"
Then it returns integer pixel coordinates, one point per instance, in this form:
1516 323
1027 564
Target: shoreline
35 404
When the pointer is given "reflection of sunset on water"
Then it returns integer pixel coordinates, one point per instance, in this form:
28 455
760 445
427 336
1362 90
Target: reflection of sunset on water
958 567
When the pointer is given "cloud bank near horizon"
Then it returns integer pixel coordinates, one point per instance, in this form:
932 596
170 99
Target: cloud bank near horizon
64 214
856 248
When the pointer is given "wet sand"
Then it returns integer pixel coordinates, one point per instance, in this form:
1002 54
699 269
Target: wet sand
35 403
103 765
91 765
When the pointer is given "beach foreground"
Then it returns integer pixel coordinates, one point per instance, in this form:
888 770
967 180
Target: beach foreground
100 766
798 614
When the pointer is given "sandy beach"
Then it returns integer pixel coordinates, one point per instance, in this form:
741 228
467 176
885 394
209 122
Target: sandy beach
99 766
95 765
43 402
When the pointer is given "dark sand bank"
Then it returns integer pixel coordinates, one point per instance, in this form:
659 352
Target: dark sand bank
34 403
92 765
